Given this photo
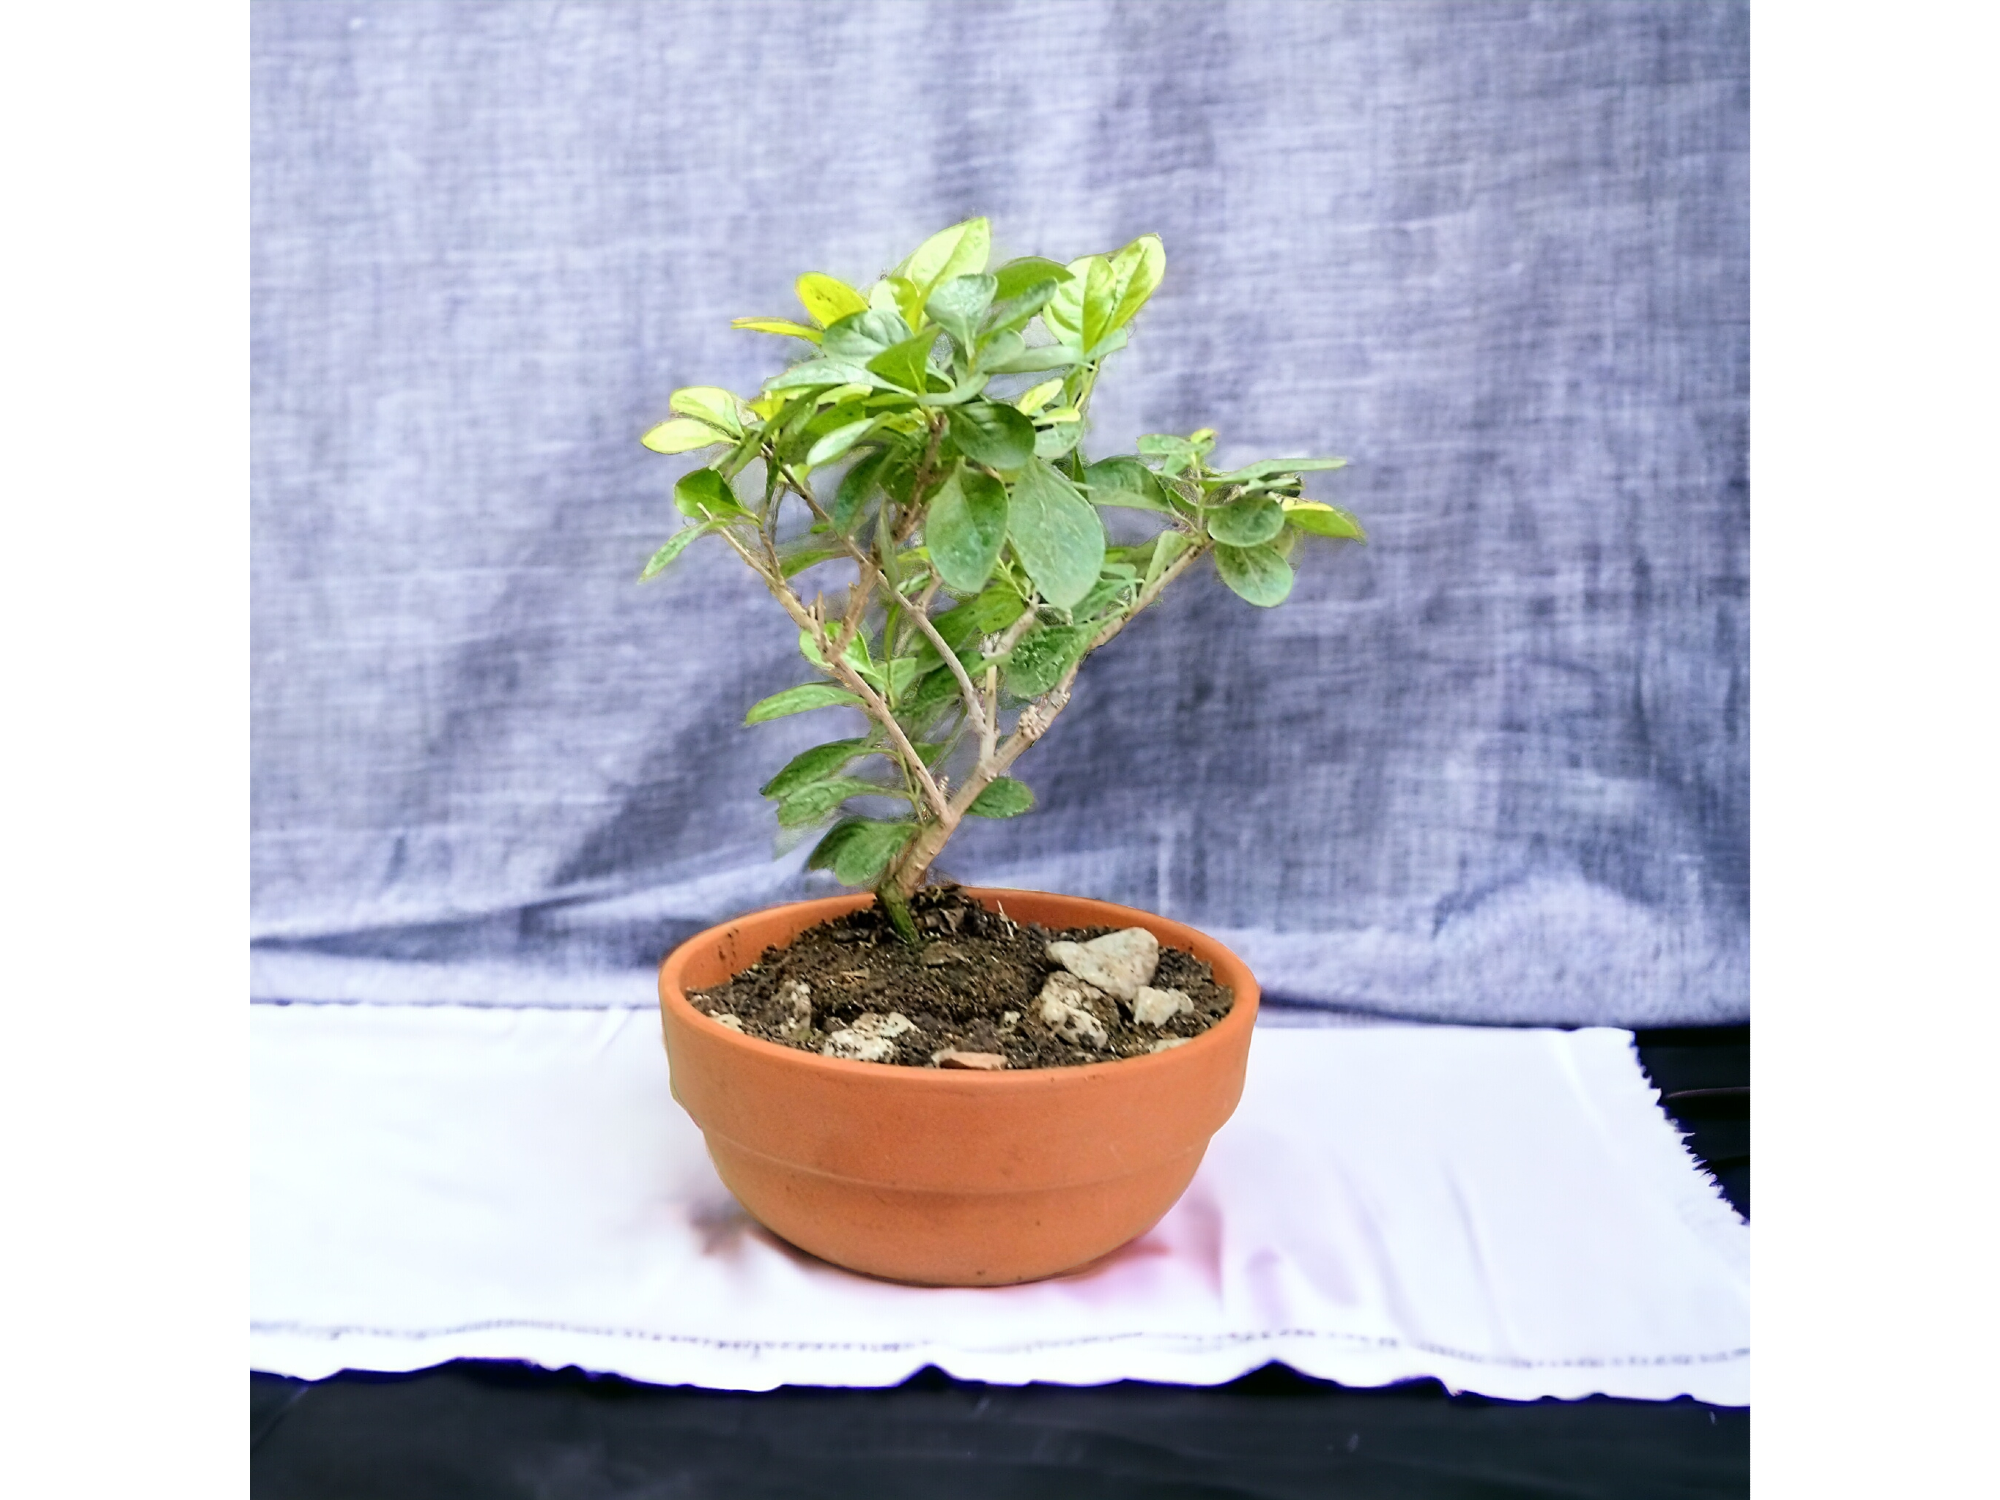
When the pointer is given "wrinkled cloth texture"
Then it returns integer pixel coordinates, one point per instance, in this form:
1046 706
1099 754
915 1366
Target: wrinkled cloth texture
1505 1209
1491 766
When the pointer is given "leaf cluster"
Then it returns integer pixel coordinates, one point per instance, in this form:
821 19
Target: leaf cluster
929 440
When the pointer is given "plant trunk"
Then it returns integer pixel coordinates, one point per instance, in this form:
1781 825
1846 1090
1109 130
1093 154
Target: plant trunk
896 903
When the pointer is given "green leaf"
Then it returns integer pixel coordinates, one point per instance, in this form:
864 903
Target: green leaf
856 485
861 336
965 527
807 695
858 850
892 678
1137 271
710 404
1323 520
799 559
966 390
958 305
1100 301
1111 343
1106 597
813 765
856 654
837 442
813 374
992 434
681 435
1055 441
1257 574
1167 546
1173 454
1027 361
958 251
676 545
732 463
907 364
1270 466
1247 523
1055 533
706 495
1017 276
933 693
992 610
1004 798
1125 482
810 803
776 325
1014 313
1040 658
827 299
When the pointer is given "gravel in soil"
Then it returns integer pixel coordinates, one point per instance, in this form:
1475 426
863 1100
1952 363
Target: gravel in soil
971 987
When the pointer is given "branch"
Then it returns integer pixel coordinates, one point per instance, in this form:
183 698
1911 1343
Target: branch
973 703
989 722
866 578
1021 626
1037 717
918 612
1168 574
919 482
837 668
915 861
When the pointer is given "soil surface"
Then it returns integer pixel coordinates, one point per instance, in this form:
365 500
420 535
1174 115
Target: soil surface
972 987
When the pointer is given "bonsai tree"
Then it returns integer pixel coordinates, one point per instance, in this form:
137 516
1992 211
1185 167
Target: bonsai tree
929 445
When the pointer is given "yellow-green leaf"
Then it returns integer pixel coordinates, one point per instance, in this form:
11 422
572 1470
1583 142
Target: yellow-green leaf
1100 301
827 299
1062 315
1137 271
1323 520
710 404
676 545
1036 397
776 325
961 250
681 435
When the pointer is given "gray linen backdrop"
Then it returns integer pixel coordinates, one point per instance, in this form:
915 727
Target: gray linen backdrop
1492 766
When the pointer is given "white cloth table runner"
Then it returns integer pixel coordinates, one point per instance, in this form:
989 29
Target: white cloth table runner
1506 1210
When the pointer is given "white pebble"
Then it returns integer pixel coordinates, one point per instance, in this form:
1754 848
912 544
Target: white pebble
1117 963
869 1038
1065 1010
796 997
1157 1007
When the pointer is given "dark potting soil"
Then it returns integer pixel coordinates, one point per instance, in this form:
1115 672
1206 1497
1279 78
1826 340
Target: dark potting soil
971 986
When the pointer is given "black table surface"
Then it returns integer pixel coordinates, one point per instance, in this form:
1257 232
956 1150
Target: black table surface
497 1430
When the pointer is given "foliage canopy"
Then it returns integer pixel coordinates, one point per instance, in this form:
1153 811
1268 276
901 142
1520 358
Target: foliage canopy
929 443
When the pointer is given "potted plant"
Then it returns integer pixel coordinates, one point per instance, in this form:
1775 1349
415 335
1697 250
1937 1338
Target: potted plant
917 1081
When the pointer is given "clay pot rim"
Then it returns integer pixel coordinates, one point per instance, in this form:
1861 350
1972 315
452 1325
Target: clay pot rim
1242 1012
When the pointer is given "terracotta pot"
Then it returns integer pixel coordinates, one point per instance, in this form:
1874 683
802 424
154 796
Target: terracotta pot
947 1178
